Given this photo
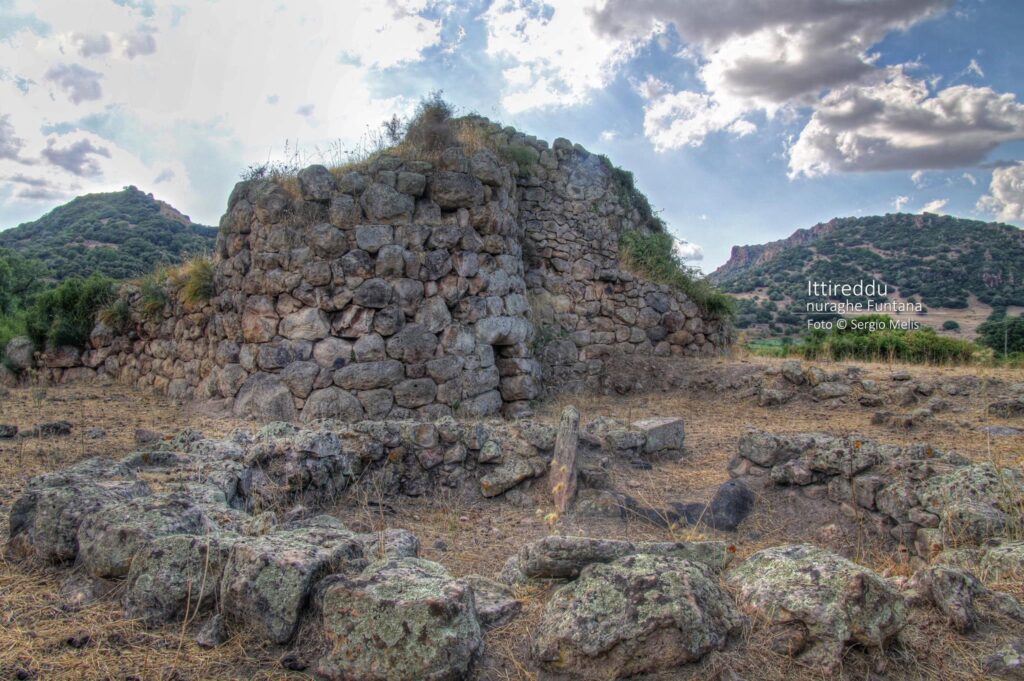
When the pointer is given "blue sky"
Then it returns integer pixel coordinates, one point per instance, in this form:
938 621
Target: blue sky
742 120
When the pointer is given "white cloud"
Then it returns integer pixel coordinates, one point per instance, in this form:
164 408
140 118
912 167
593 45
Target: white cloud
80 84
899 202
971 179
897 123
935 206
198 110
975 68
917 177
554 55
609 135
687 251
685 118
762 55
1006 193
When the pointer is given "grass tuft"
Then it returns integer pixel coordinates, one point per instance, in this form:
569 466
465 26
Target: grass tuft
653 257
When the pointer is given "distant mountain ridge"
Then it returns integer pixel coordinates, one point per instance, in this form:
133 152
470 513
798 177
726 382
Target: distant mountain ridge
939 260
120 234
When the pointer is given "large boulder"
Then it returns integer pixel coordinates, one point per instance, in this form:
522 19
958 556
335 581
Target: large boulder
400 620
639 614
267 580
19 353
265 397
44 520
456 190
109 539
381 202
174 573
317 183
819 601
974 502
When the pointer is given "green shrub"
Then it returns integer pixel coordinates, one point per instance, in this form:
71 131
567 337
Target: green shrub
1005 335
117 315
11 325
66 314
951 325
653 256
524 156
198 285
154 296
886 344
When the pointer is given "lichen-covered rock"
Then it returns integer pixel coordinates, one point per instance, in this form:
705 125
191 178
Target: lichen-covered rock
389 543
832 600
287 464
508 474
109 539
972 501
559 557
662 434
495 603
1008 661
400 620
44 520
267 580
175 572
639 614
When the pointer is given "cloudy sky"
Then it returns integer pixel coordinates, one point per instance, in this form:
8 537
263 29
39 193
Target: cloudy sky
742 119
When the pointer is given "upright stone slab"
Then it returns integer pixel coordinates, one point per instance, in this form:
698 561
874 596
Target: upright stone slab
563 465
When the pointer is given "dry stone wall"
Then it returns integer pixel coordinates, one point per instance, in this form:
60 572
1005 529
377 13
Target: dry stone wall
409 289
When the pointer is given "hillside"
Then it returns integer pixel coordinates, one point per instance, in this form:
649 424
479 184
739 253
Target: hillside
957 270
120 234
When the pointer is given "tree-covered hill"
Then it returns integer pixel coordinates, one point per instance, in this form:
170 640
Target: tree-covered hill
120 234
939 261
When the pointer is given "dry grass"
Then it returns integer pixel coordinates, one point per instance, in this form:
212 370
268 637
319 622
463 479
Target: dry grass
468 534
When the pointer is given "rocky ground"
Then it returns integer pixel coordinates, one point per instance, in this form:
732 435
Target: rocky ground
855 601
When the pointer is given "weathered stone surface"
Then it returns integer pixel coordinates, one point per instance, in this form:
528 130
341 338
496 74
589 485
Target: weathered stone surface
563 464
267 580
109 539
265 397
732 503
175 572
400 620
833 600
381 202
300 377
374 294
316 183
19 353
456 190
213 632
332 403
44 520
558 557
831 389
661 434
639 614
306 324
370 375
496 604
